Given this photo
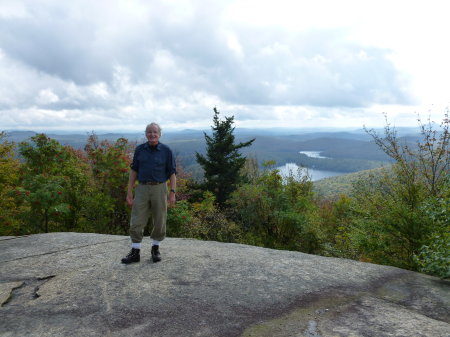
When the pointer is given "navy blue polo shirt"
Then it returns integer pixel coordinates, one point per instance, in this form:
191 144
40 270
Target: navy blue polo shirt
153 163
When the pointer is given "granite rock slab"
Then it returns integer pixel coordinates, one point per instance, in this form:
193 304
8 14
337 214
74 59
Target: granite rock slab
73 284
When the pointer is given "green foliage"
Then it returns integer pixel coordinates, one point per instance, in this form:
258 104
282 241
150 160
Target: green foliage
97 213
9 177
334 217
223 161
43 155
212 224
434 258
201 220
391 219
61 189
110 164
179 219
9 166
43 195
428 163
276 214
388 224
53 182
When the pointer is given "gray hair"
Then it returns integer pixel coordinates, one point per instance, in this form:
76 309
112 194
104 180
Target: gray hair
154 124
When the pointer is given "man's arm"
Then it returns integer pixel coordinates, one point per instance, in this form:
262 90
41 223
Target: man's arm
131 181
173 187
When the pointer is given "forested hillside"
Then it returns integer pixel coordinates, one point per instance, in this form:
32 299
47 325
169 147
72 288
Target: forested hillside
334 187
345 151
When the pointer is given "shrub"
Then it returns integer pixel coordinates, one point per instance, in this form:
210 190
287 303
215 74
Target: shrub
434 258
201 220
392 221
277 213
179 218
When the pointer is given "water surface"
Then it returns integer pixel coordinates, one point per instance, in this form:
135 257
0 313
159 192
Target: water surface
296 171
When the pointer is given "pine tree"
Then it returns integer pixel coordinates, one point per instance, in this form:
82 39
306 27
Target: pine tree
223 161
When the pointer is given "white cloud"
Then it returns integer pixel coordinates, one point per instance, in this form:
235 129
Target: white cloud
46 96
12 9
119 63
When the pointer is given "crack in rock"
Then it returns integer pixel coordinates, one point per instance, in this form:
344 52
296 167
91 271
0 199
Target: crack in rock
6 291
22 291
63 250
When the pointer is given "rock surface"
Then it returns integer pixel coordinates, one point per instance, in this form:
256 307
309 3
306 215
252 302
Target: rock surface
73 284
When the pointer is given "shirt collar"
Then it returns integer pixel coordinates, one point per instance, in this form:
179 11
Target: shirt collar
157 147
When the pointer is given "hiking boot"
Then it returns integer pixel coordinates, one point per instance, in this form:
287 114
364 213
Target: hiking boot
133 256
156 256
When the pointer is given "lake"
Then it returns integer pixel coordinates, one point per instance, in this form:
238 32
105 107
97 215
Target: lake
315 174
313 154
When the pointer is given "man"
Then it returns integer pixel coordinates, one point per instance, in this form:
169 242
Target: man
153 164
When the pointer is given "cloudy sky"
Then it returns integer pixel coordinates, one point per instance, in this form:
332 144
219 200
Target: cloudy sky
110 65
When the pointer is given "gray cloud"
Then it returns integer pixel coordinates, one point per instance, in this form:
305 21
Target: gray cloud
101 56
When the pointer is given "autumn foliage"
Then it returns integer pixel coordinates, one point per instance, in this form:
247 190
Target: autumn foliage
57 188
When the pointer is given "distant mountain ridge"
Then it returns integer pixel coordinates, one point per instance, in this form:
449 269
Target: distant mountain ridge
346 151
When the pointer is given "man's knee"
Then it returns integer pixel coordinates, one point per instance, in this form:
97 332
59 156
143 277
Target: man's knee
136 231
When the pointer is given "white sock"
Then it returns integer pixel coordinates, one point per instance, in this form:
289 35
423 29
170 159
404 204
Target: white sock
155 242
136 245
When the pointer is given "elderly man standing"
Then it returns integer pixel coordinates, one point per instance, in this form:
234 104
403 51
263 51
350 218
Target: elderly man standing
153 164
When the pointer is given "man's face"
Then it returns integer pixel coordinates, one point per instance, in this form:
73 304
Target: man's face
152 134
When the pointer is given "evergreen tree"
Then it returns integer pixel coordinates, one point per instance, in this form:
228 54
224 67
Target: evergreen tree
223 162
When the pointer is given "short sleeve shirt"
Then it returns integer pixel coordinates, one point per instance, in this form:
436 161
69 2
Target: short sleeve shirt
153 163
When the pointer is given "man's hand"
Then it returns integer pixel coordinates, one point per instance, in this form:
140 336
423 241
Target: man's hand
131 182
130 199
172 199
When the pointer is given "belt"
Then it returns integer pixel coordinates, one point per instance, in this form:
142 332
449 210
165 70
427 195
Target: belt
150 183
